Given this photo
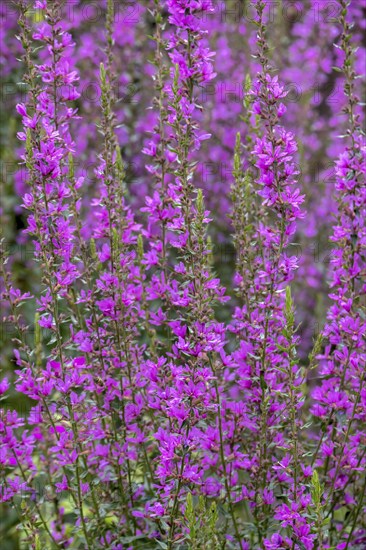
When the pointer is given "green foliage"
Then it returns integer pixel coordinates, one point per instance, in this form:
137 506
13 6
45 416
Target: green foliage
317 508
289 311
201 520
318 345
316 491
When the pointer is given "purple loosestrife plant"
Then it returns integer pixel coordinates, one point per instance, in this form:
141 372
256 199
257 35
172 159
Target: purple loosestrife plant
190 401
47 146
267 372
148 406
339 399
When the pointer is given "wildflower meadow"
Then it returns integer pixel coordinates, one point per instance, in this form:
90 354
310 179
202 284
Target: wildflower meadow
183 275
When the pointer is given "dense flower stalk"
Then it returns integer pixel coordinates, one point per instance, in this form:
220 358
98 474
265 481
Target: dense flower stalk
267 370
191 288
338 401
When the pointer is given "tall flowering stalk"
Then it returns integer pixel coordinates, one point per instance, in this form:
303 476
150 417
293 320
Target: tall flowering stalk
46 120
159 206
111 338
192 290
339 399
267 372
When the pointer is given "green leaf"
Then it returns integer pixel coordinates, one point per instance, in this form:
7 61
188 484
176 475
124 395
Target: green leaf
102 74
71 166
